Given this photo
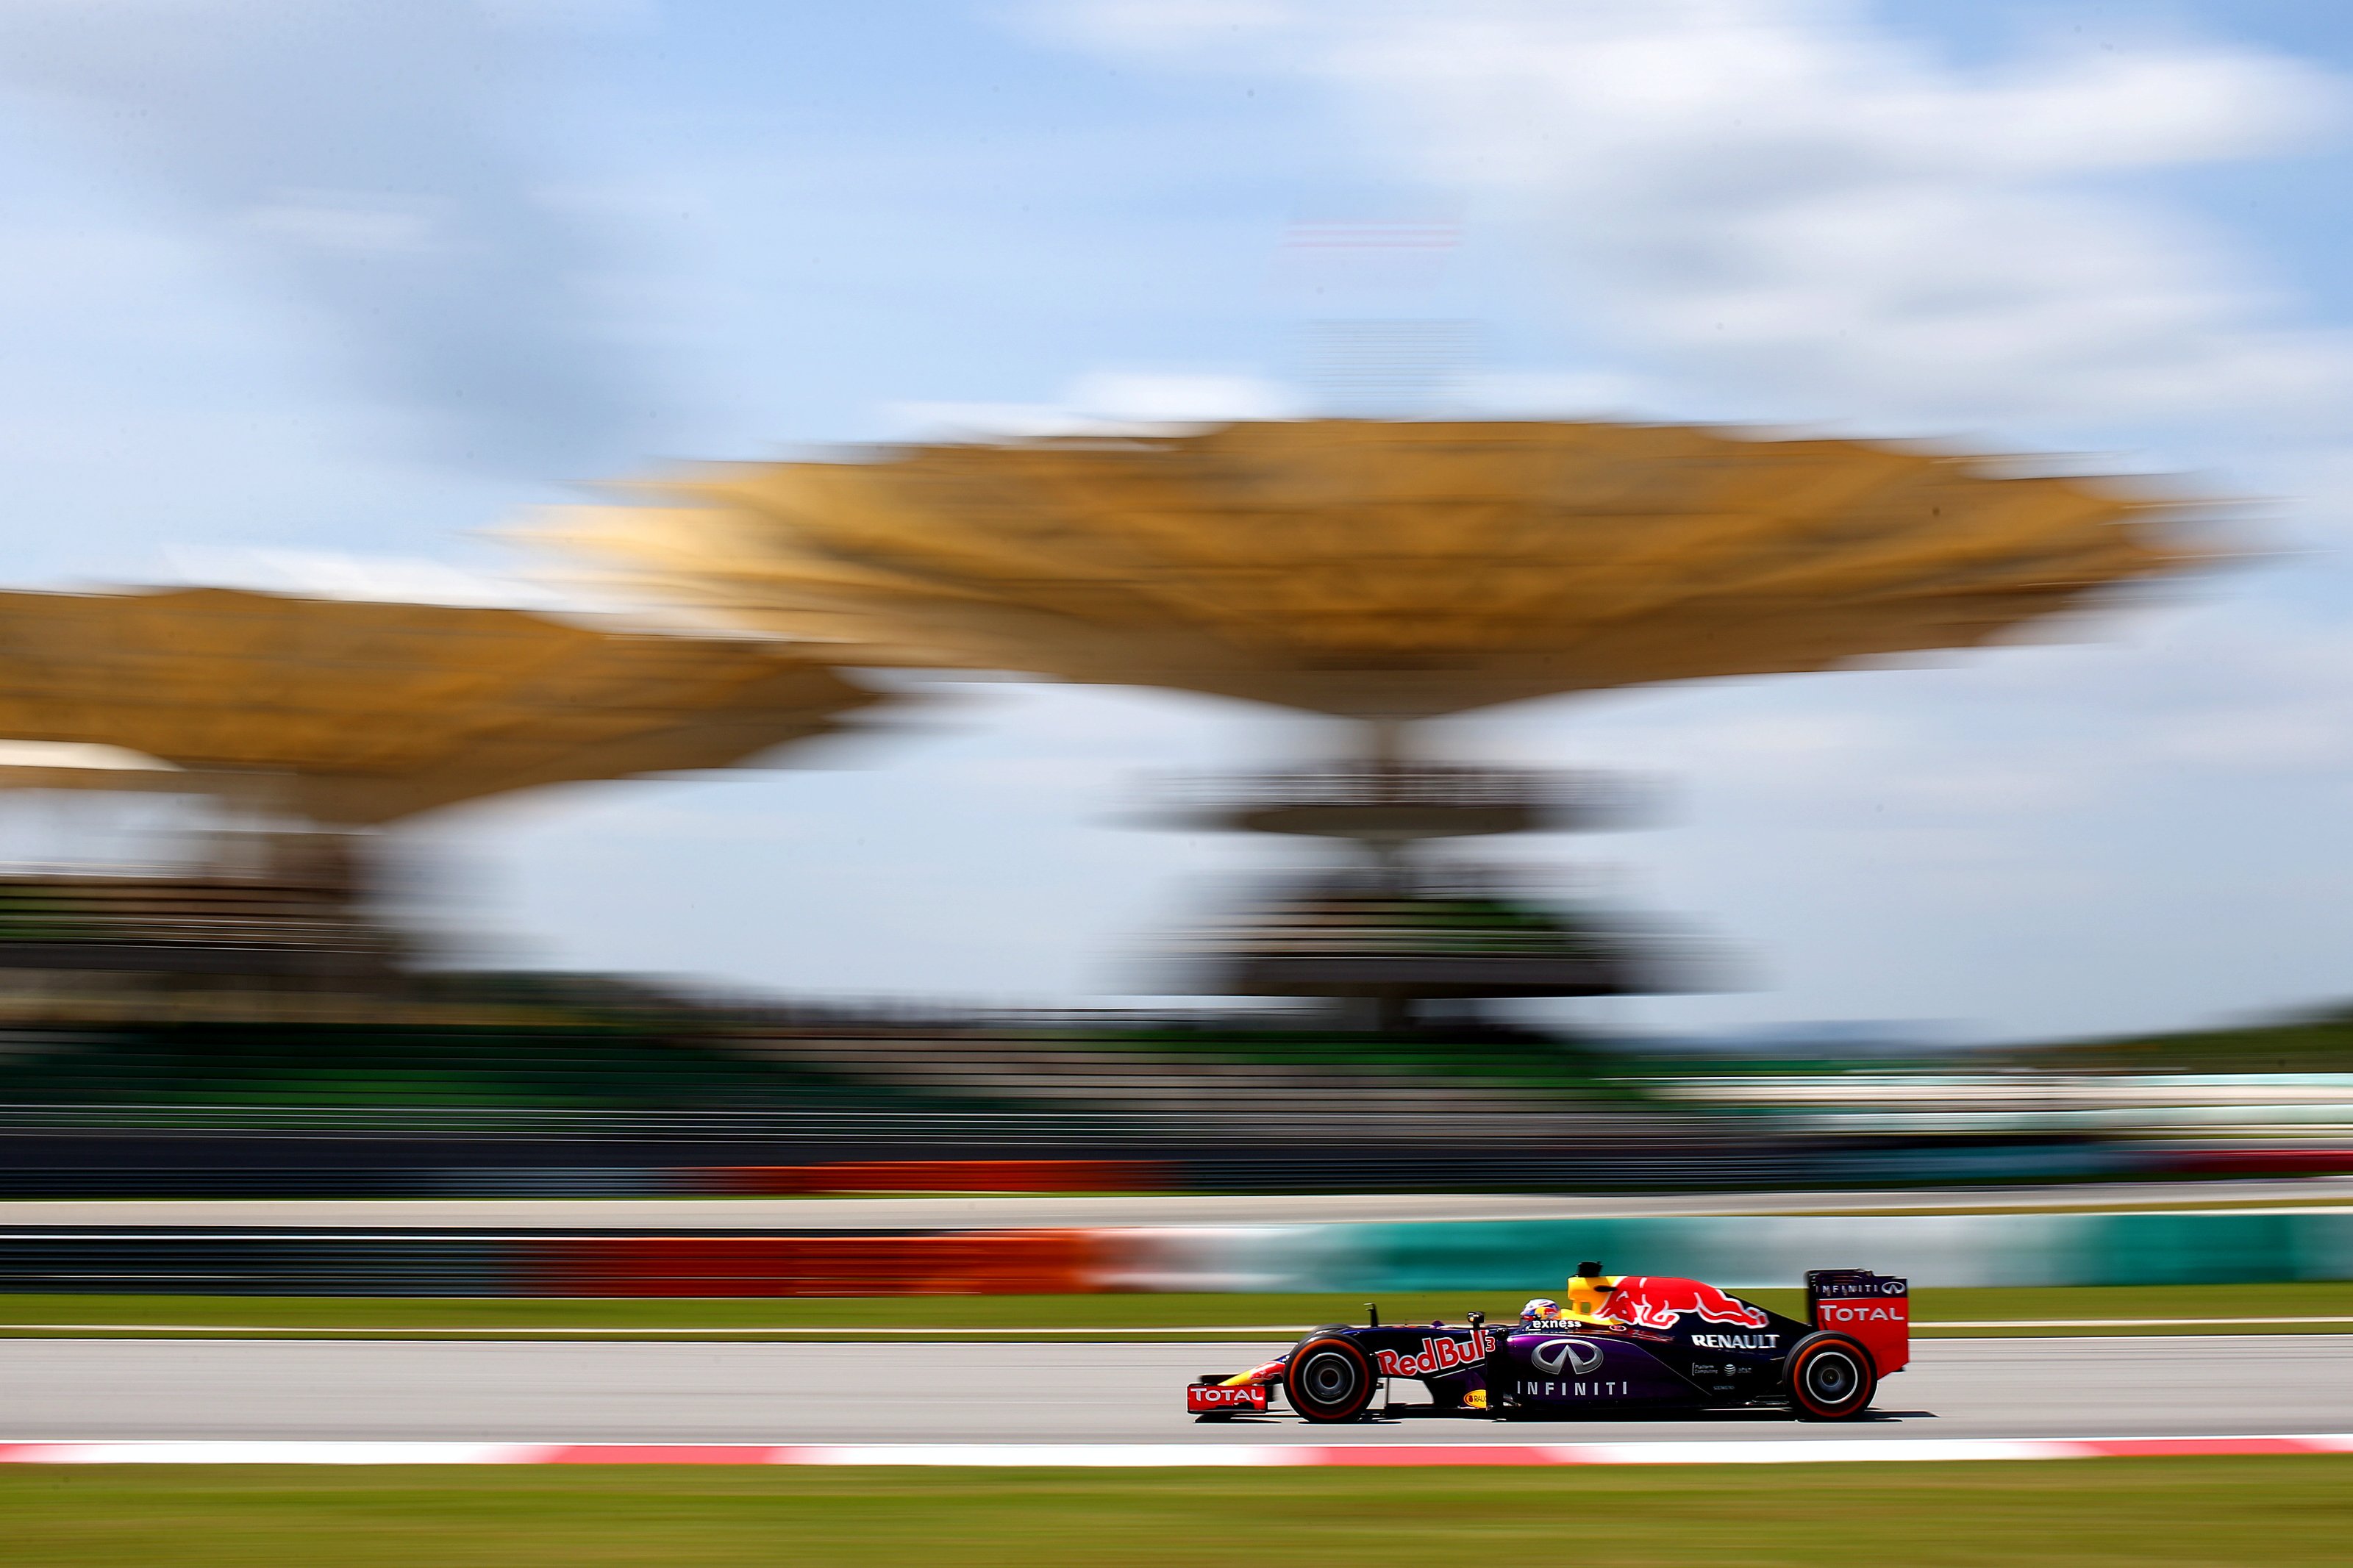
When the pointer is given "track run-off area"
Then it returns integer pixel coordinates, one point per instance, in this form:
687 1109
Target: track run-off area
978 1394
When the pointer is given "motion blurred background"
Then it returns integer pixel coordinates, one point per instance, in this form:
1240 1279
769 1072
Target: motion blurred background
1065 668
618 600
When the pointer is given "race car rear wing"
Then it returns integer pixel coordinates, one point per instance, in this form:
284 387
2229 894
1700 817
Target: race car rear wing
1870 1308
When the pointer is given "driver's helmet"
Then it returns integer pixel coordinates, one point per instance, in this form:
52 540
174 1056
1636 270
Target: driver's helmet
1540 1311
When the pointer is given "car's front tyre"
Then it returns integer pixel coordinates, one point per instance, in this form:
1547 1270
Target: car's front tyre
1830 1378
1329 1380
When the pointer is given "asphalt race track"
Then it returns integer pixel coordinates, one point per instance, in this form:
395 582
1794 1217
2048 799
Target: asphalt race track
98 1389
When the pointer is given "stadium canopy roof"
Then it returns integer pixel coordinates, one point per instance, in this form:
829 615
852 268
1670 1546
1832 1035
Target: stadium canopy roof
355 712
1377 570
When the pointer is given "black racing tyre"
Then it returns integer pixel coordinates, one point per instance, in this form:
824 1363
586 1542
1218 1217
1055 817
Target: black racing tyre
1830 1378
1329 1380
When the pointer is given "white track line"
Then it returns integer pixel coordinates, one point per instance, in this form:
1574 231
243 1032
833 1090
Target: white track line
1164 1456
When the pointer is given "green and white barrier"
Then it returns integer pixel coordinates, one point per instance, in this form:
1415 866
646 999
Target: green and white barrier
1740 1251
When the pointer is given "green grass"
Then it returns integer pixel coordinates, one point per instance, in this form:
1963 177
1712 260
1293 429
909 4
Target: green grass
2092 1513
1236 1317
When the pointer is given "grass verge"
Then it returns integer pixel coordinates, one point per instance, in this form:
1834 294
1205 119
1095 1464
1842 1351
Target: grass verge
2072 1310
2092 1513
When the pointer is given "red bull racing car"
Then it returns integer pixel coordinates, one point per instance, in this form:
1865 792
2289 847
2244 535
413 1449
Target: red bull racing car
1637 1343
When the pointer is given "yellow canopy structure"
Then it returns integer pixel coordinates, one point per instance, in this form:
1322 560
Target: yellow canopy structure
1382 571
351 714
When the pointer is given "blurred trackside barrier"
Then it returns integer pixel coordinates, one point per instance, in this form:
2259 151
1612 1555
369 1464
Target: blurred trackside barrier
102 1260
92 1260
961 1263
2259 1163
938 1176
2158 1249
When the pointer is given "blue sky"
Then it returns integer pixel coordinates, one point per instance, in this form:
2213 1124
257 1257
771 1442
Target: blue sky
357 279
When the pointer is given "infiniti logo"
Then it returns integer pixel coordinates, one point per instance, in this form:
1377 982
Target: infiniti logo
1582 1355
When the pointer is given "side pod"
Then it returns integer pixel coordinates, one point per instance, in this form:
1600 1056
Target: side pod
1871 1308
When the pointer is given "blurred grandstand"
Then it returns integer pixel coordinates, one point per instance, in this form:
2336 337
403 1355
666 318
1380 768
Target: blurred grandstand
247 1019
494 1084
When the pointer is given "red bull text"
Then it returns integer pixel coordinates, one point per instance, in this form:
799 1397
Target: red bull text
1436 1356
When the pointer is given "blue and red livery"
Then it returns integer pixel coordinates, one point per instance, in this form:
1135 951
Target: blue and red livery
1636 1344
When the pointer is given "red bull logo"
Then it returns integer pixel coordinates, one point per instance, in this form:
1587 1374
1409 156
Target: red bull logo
1658 1300
1436 1356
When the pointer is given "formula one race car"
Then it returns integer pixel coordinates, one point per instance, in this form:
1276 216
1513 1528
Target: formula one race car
1642 1342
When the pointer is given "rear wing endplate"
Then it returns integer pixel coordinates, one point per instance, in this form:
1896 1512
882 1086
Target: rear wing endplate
1871 1309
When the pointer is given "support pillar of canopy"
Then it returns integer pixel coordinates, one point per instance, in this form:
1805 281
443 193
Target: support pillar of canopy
1388 929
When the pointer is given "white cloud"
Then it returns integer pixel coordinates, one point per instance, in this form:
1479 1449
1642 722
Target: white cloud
325 575
1182 398
591 16
2046 839
363 159
2207 698
358 223
1786 199
1109 401
1559 395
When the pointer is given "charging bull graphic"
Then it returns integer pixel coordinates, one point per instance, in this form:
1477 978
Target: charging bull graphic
1657 1300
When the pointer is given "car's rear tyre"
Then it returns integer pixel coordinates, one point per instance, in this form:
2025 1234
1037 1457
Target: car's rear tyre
1830 1378
1329 1380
